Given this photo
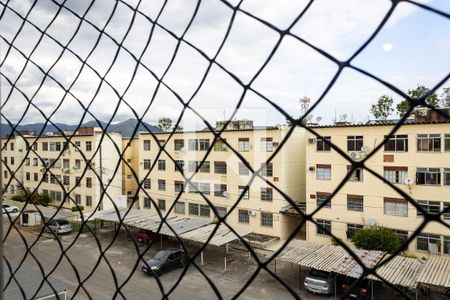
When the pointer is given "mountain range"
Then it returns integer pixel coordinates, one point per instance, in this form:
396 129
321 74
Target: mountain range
126 128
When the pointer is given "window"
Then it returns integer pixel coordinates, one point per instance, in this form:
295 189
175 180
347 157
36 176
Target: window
323 172
147 202
44 146
193 165
161 142
357 175
11 146
205 167
88 182
36 177
266 194
45 177
193 187
146 144
193 209
241 189
88 200
267 169
220 190
352 229
35 162
180 207
147 183
446 244
396 143
162 204
220 145
447 176
179 186
66 180
66 164
355 202
27 161
321 224
447 142
28 176
161 184
396 174
220 167
35 146
430 207
161 165
77 199
446 215
77 164
243 144
355 142
77 145
179 165
321 144
88 146
204 188
428 176
402 235
429 142
192 144
205 210
12 160
178 145
425 239
243 216
267 219
321 198
147 164
221 211
204 144
77 181
243 170
395 207
266 144
53 146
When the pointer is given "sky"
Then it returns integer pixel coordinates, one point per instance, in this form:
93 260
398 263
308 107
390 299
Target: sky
113 65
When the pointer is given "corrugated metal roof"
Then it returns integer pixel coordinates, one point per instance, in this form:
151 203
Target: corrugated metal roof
379 123
402 271
222 236
436 271
182 225
350 267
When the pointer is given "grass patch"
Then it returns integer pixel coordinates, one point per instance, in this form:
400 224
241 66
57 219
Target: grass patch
76 226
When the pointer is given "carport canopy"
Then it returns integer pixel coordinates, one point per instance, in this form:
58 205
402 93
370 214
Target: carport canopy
435 271
222 236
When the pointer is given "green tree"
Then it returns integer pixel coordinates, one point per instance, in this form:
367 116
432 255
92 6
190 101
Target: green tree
165 124
445 97
382 109
376 238
41 199
418 92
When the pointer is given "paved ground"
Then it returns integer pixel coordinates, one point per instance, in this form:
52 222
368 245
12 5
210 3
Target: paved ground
99 282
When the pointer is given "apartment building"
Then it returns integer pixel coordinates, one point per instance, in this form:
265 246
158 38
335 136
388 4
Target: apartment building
68 171
416 160
222 178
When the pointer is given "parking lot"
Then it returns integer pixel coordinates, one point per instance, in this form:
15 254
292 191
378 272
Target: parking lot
119 272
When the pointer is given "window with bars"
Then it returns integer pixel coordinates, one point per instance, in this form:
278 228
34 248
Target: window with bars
395 207
161 164
221 211
323 197
243 216
430 207
204 188
147 183
429 142
321 224
205 210
220 145
323 172
266 144
446 215
428 176
147 164
147 145
205 167
36 177
447 142
88 182
401 234
78 199
357 174
246 195
44 146
193 209
179 165
178 144
355 142
179 186
396 143
66 180
161 184
220 190
352 229
355 202
446 176
267 169
266 194
396 174
321 144
88 200
446 245
193 144
220 167
147 202
180 207
267 219
243 170
193 165
88 146
425 239
203 144
193 187
243 144
162 204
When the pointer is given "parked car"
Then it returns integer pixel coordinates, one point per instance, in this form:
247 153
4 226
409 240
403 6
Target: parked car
319 282
165 260
145 236
362 290
59 227
6 208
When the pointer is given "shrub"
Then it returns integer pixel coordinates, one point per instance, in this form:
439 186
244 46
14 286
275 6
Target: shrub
18 198
77 208
377 238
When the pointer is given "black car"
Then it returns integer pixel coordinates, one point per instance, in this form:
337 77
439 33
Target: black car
165 260
362 290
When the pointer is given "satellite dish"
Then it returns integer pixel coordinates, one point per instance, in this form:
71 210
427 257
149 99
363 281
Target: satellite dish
353 154
408 180
318 119
309 118
371 222
365 149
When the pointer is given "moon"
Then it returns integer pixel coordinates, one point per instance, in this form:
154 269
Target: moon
387 47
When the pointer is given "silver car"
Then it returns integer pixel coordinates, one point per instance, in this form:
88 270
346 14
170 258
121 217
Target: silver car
319 282
59 226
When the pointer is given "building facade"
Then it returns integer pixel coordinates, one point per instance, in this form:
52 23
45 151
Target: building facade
222 178
416 160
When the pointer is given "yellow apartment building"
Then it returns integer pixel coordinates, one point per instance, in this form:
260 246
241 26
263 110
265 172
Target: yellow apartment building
222 178
68 171
416 160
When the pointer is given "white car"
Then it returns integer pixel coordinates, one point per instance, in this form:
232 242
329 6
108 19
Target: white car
9 209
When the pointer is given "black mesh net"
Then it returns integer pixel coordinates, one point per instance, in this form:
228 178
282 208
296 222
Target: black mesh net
84 60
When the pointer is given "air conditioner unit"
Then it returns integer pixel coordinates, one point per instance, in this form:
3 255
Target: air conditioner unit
312 168
355 155
275 144
252 212
311 140
225 194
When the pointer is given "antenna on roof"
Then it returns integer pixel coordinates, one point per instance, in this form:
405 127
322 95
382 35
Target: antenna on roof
304 104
